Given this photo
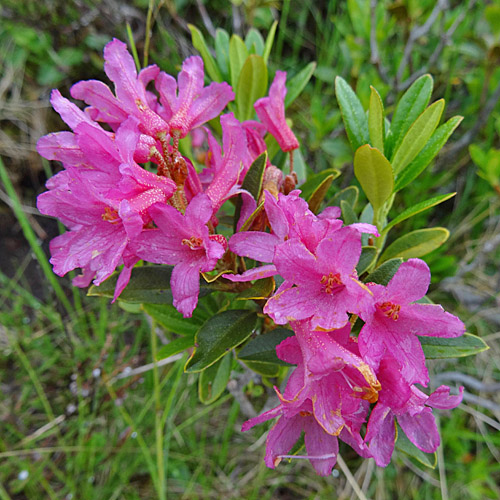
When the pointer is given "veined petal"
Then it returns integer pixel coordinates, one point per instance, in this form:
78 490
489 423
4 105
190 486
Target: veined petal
443 400
185 283
254 244
421 430
257 273
281 438
320 444
414 271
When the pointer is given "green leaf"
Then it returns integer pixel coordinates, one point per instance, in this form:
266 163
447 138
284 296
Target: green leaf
214 379
384 273
431 149
252 85
313 181
269 41
253 179
261 289
238 54
348 214
264 369
368 255
353 114
416 244
148 284
374 173
298 83
319 194
172 320
442 348
254 42
252 217
404 445
252 183
208 61
349 194
222 50
417 136
409 108
175 347
218 336
263 347
416 209
376 120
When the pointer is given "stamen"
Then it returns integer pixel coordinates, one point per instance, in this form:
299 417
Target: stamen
331 282
110 215
390 310
194 242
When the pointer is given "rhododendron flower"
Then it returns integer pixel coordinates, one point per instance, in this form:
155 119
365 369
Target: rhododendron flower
184 242
411 407
187 104
322 286
131 95
396 321
271 112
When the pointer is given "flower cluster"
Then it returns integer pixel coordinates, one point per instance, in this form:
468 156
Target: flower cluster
340 374
119 211
126 194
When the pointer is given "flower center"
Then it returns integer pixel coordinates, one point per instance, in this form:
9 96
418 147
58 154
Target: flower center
303 413
110 215
390 310
194 243
331 282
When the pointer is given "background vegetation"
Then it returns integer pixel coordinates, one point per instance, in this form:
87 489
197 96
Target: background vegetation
78 405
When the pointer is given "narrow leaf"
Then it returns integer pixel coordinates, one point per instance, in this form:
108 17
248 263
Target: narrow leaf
374 173
409 108
416 244
431 149
263 347
348 214
261 289
384 273
254 42
172 320
376 120
222 51
214 379
252 85
209 62
404 445
238 54
252 217
349 194
264 369
319 194
416 209
368 255
298 83
218 336
313 181
418 135
353 114
441 348
252 183
175 347
269 41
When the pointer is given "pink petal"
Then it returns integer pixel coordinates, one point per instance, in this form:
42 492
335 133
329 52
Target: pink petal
185 284
443 400
281 438
421 430
318 443
61 146
381 433
254 244
257 273
414 271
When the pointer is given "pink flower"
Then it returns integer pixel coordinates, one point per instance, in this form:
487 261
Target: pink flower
271 112
184 242
322 286
412 409
187 104
396 321
131 95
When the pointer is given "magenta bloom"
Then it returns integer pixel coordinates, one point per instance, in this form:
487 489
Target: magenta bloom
187 104
271 112
131 95
411 407
184 242
397 321
325 286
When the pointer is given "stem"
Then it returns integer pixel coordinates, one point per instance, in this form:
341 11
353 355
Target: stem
158 419
148 32
291 161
